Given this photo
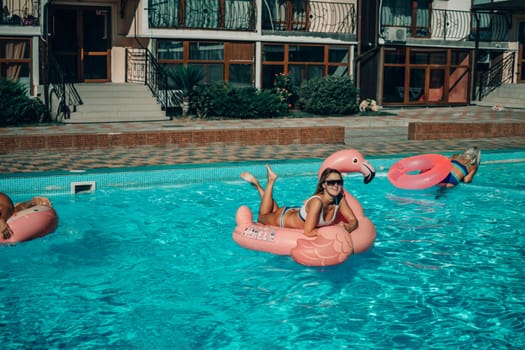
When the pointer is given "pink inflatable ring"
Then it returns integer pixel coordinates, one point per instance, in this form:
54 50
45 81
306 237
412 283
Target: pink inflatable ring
333 245
431 169
31 223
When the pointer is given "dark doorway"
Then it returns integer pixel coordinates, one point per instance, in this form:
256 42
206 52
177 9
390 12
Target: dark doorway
80 39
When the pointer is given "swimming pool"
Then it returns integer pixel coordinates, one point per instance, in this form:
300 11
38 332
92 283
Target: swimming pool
147 262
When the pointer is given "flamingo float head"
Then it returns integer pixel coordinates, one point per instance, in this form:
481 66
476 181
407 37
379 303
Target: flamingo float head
349 161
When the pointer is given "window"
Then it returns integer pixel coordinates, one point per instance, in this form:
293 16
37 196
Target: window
201 14
303 62
298 53
206 51
170 50
431 76
415 15
220 61
15 60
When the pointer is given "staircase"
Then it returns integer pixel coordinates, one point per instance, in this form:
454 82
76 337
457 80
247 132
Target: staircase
507 95
116 102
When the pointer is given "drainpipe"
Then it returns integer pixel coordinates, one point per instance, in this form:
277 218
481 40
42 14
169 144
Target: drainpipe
475 58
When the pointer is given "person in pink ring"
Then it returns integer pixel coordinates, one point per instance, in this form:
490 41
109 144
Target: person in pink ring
464 167
7 209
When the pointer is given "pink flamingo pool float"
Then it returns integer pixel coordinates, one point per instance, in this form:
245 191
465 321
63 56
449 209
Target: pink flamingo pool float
333 245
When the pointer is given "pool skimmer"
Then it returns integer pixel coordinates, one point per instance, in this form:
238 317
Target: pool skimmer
83 187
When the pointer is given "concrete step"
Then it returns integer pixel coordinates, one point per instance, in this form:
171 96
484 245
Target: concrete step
114 102
507 95
511 105
94 105
118 116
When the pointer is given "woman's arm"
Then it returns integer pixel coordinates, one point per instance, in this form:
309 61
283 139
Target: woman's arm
33 202
313 208
468 178
347 212
5 231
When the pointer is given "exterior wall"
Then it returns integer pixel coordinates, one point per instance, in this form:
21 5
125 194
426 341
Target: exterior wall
130 29
463 38
30 31
258 36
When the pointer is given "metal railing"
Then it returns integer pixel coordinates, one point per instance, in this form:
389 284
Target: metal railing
59 92
142 67
450 24
499 73
309 16
20 12
202 14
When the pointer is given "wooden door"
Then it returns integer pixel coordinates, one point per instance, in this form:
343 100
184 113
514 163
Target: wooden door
80 40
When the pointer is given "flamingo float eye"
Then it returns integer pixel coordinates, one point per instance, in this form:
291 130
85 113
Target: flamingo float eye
355 160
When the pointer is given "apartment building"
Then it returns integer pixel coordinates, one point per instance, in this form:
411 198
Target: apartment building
441 52
400 52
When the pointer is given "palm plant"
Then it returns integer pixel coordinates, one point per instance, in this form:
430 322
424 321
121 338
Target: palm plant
185 78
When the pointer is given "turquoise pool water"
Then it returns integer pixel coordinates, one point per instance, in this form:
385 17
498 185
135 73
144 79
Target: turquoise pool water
147 262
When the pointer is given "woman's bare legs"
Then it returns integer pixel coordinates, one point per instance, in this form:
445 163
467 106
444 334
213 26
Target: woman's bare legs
267 203
246 176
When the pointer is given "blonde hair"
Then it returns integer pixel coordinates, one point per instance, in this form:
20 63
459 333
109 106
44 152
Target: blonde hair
472 155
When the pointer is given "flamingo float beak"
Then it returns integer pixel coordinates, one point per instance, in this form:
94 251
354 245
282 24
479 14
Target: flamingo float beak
368 171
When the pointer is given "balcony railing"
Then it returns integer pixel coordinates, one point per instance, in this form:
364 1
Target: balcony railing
19 12
449 24
202 14
309 16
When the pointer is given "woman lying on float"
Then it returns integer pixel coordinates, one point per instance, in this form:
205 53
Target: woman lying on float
325 230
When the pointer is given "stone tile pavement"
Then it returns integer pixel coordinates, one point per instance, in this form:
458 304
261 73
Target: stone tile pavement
372 135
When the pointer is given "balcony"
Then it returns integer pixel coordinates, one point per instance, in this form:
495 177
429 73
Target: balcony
301 17
450 25
20 12
202 14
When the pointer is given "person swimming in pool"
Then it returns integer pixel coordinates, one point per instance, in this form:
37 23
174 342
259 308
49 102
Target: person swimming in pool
321 209
464 167
7 209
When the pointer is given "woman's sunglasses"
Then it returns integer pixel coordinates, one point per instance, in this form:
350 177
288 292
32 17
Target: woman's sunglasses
334 182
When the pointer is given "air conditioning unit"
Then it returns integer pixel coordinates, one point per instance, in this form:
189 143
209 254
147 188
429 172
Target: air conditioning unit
483 57
395 34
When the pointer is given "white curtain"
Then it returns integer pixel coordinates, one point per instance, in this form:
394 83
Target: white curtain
14 50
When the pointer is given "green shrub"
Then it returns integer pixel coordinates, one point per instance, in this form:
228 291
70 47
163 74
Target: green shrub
224 101
328 96
16 107
285 89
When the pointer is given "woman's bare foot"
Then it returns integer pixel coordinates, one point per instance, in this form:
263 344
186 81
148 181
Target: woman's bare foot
246 176
271 175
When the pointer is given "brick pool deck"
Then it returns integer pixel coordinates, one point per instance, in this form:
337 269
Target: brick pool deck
113 144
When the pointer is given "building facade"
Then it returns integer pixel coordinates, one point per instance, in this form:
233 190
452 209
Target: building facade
400 52
440 52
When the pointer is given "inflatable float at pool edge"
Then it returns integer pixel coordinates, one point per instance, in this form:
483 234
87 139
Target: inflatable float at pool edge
333 244
31 223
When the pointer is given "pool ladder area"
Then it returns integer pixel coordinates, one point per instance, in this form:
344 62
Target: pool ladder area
83 187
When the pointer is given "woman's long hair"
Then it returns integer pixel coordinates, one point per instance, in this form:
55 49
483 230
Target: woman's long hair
472 155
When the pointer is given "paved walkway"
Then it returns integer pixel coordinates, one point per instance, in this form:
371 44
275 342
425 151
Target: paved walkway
372 135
